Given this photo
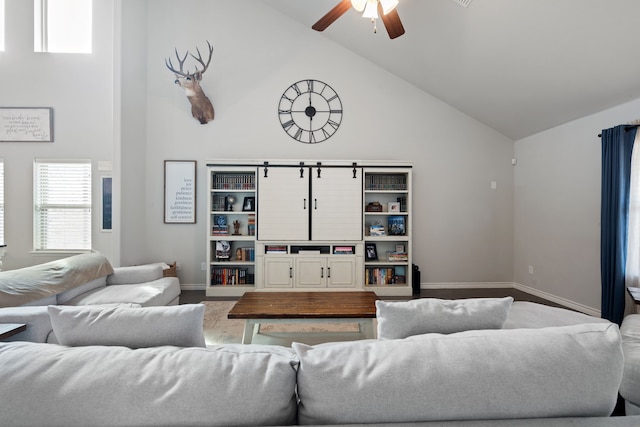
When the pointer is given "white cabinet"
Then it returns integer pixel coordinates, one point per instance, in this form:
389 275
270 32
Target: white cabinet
284 204
310 203
231 225
327 272
388 224
278 272
311 225
332 268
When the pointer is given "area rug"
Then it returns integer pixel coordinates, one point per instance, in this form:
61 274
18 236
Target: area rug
220 330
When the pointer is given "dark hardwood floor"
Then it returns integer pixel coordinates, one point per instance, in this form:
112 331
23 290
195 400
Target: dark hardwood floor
193 297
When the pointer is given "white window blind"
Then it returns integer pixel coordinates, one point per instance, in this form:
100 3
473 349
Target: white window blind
2 202
62 205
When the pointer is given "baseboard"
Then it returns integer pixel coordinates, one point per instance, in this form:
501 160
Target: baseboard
506 285
559 300
193 287
466 285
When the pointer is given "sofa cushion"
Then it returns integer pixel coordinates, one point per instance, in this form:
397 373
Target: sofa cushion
630 386
64 297
400 319
135 274
480 374
36 318
156 293
24 285
524 314
130 327
232 385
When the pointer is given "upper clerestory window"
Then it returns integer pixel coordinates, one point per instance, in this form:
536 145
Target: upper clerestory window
1 25
62 26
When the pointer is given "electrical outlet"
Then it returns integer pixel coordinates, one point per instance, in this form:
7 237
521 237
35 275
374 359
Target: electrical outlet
178 266
531 269
203 266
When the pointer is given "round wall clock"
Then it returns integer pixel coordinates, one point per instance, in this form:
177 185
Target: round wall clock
310 111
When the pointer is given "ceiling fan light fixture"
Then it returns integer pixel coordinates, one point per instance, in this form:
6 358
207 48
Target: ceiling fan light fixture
371 9
388 5
359 4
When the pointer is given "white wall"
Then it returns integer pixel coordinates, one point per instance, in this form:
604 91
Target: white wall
79 88
462 228
557 208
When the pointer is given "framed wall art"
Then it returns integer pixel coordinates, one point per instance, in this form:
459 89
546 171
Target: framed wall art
107 206
26 124
179 191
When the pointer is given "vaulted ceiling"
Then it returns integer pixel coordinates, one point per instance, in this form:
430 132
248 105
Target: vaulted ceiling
519 66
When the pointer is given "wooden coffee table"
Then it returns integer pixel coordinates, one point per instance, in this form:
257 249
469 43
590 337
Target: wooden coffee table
10 329
305 307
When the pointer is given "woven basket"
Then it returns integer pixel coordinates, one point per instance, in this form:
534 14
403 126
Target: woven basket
171 271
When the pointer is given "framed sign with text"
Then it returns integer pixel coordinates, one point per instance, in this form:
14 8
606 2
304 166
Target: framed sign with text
179 191
26 124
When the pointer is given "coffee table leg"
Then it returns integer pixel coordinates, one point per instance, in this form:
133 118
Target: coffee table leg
366 328
247 335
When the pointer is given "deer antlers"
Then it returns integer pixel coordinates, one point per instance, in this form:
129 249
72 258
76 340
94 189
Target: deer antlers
170 66
201 107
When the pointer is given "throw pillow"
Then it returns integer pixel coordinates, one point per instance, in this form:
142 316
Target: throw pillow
401 319
179 325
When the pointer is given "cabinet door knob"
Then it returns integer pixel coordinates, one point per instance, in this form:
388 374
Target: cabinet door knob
328 271
315 203
290 272
321 272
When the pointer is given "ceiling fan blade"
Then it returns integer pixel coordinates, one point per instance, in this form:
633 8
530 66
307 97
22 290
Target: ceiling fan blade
391 22
332 15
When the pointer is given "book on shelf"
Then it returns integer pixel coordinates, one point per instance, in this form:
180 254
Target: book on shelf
217 203
220 230
386 182
397 256
395 225
400 275
276 249
251 224
382 276
377 230
343 250
224 181
226 276
245 254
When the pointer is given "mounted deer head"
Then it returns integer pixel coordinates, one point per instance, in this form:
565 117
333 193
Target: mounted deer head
201 107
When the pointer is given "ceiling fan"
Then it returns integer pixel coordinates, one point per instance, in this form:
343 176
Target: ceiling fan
373 9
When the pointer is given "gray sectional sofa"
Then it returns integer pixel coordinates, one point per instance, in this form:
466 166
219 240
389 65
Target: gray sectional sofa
122 366
79 280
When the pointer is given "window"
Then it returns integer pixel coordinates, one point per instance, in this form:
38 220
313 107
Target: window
62 205
1 25
62 26
1 201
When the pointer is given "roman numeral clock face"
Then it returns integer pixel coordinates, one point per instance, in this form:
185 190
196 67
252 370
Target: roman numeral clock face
310 111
